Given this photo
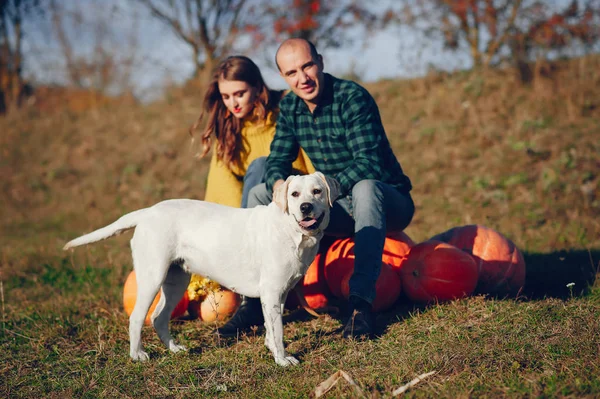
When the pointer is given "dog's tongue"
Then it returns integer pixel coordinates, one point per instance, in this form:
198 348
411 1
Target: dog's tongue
307 223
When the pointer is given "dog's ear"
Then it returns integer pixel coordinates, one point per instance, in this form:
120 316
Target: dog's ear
280 195
333 187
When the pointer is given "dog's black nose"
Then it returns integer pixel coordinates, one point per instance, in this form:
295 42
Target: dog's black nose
306 207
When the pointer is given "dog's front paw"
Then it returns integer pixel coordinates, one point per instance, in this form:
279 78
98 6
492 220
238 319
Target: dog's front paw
139 356
286 361
173 347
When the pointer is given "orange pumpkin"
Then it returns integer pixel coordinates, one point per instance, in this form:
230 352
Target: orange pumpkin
312 286
501 264
436 271
130 295
339 266
387 287
396 248
339 257
315 288
219 305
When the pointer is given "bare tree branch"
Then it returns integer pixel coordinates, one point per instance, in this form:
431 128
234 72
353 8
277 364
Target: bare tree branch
208 27
65 45
173 23
495 44
495 30
12 14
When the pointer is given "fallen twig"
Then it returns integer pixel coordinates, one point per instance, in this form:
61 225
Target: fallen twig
329 383
414 382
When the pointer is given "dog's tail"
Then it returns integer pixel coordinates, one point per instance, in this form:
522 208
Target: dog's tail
124 223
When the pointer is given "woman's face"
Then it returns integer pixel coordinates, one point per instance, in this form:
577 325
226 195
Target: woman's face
238 96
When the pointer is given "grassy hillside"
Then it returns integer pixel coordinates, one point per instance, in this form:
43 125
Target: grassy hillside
479 148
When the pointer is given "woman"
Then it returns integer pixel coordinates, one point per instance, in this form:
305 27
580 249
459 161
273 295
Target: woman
241 113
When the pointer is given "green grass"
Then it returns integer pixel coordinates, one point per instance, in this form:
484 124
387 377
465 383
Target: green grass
479 149
74 343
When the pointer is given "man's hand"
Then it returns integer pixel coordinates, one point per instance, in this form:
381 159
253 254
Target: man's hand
277 184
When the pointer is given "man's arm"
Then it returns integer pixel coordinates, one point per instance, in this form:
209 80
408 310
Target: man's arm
365 136
284 151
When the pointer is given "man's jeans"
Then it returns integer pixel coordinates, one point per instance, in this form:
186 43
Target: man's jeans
255 174
368 214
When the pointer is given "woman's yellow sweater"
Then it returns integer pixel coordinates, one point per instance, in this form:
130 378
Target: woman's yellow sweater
224 186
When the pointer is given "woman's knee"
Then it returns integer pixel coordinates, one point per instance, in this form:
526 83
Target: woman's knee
259 195
256 169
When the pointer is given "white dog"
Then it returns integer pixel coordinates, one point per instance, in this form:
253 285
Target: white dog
257 252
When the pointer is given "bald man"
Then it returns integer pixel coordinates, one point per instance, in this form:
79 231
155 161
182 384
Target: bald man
338 125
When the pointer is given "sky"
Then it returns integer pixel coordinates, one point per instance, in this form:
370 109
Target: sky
396 52
161 58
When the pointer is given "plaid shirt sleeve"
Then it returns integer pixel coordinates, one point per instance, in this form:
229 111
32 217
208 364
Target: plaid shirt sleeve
284 150
364 136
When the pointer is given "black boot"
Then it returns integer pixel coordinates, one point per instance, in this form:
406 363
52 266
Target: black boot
362 322
248 315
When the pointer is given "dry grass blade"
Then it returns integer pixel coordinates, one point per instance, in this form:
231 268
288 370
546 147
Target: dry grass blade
326 385
330 382
2 297
411 384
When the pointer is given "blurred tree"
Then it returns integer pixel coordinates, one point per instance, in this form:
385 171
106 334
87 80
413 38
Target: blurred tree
108 68
216 28
12 87
574 29
472 20
331 23
495 30
209 27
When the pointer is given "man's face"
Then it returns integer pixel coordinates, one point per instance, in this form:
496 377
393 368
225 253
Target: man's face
302 73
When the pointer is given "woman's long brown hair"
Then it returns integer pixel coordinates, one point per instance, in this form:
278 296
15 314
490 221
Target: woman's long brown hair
226 127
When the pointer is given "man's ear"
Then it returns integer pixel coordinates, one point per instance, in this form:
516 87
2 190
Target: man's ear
320 61
280 195
333 187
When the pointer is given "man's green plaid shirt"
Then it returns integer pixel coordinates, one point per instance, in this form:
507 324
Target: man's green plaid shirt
344 138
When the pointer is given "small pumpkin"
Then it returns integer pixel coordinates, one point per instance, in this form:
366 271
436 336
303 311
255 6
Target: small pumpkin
130 296
501 264
437 271
219 305
198 288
